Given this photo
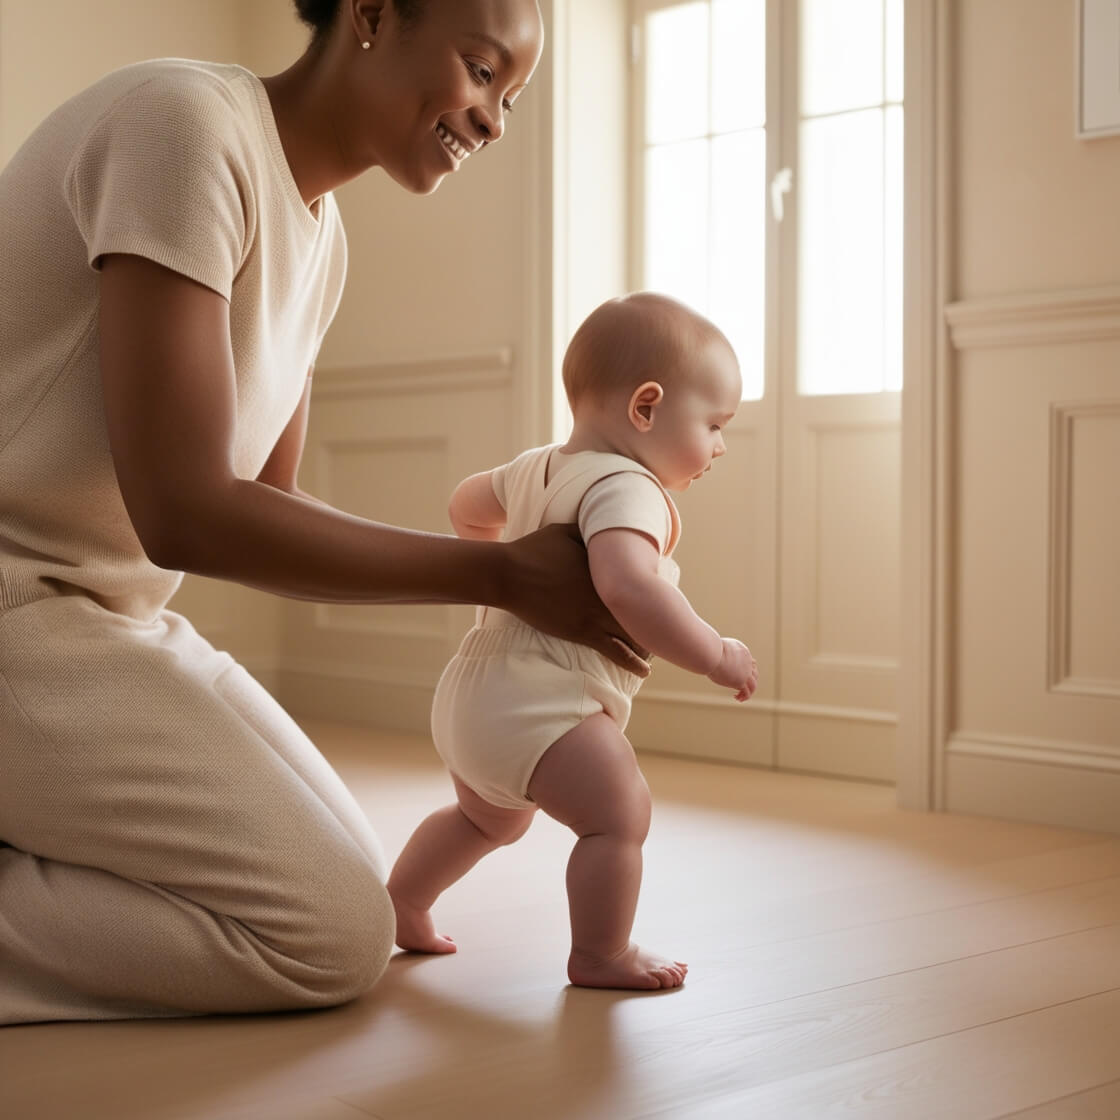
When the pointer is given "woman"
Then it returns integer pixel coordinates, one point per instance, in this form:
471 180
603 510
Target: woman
172 843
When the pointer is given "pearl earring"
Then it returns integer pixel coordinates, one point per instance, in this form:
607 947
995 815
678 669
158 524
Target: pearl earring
365 46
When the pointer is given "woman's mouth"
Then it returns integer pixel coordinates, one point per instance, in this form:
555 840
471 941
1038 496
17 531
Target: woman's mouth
450 143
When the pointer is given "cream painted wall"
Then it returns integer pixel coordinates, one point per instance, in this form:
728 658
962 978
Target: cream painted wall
48 52
1036 208
1031 440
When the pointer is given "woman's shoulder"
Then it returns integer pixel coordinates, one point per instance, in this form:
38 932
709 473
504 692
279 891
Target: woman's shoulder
177 91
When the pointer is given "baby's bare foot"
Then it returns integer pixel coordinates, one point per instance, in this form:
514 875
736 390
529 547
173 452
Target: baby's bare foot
417 933
635 967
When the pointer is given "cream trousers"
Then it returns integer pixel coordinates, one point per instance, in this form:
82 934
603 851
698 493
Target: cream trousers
173 843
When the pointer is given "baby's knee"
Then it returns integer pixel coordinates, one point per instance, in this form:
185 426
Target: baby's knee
635 812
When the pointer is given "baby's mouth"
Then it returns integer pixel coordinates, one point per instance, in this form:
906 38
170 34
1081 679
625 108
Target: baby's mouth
449 141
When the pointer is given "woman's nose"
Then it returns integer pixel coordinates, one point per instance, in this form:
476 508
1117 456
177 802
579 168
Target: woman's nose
490 125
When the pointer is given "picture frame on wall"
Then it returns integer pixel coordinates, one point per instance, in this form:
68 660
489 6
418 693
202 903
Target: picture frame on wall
1098 68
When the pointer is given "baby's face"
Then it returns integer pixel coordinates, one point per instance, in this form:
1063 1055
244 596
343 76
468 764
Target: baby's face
699 402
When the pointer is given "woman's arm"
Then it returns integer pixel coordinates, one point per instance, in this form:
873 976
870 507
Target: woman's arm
282 468
170 406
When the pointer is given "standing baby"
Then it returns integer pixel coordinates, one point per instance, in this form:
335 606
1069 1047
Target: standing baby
525 721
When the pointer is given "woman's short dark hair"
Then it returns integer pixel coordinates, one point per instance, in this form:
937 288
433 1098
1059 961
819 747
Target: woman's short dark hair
319 15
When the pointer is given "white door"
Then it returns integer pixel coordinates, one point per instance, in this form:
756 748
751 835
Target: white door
768 193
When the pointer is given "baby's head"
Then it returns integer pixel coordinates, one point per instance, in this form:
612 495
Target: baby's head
657 380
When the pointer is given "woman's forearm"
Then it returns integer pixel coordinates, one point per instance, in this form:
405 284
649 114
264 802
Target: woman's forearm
298 547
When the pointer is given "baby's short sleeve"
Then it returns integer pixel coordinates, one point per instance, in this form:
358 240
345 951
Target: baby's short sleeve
498 482
627 500
162 175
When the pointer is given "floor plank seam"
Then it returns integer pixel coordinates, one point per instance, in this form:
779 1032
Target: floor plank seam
927 913
1056 1100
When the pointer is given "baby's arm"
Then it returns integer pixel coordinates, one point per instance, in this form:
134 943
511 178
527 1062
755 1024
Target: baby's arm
475 512
657 615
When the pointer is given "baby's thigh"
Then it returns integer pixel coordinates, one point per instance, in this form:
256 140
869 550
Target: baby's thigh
589 780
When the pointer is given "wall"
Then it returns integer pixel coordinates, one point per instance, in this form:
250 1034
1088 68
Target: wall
1031 447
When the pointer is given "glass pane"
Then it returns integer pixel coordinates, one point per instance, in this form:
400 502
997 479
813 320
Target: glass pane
677 73
895 50
841 301
676 234
841 55
738 64
737 302
892 264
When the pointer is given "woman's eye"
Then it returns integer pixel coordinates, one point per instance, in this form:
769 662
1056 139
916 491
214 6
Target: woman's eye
483 73
507 106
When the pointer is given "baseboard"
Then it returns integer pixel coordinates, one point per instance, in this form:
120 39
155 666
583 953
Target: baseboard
776 734
362 700
1021 781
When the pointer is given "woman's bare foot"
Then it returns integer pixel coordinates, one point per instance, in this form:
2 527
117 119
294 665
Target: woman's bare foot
417 933
635 967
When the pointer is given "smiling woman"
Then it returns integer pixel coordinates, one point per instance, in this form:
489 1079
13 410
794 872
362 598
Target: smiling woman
170 842
432 85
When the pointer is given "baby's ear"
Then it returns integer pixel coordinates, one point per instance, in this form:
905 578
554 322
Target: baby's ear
643 403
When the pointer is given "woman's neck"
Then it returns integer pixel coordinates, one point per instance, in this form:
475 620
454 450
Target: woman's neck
303 104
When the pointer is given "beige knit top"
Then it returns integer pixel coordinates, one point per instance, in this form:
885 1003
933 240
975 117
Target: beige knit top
179 162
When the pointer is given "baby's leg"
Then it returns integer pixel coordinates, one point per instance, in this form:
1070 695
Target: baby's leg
590 781
440 852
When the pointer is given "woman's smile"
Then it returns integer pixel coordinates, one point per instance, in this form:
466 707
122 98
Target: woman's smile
452 143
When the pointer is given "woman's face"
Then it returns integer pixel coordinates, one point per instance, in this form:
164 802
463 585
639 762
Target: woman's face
434 92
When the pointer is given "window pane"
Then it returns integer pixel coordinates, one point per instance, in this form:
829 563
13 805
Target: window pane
738 64
841 254
676 231
892 265
737 301
895 50
841 55
677 73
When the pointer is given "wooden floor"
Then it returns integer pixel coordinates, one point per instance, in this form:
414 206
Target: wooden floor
846 959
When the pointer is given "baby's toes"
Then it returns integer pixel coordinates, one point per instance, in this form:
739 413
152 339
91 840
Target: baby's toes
670 976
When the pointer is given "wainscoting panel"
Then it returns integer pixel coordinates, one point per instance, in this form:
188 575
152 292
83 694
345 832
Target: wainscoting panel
1035 666
389 442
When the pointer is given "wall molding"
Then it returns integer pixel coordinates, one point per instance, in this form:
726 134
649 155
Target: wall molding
683 698
422 373
1061 316
1063 420
1040 752
926 538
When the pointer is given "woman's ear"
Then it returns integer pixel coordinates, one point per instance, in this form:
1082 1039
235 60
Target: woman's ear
643 403
365 16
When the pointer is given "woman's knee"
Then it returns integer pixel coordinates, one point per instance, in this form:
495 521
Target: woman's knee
343 942
363 940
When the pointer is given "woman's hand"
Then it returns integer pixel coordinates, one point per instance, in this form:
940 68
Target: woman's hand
551 589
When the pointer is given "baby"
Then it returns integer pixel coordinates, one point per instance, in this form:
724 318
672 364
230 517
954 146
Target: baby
525 721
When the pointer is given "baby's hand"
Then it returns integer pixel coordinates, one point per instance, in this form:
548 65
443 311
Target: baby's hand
737 669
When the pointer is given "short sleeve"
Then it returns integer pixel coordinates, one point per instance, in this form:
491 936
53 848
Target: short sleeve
498 482
162 175
627 500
